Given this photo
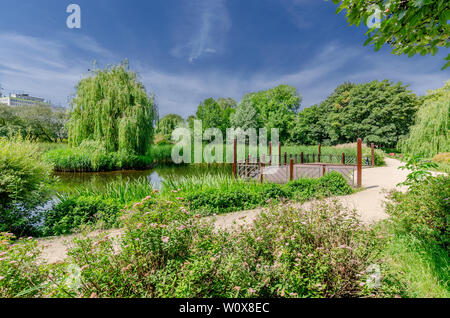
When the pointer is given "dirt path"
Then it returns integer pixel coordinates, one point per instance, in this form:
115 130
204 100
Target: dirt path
368 203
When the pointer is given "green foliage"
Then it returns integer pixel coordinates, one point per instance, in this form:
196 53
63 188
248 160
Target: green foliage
113 108
92 156
429 135
246 115
93 207
22 274
419 170
123 191
222 194
276 108
24 184
423 210
18 269
215 114
418 238
378 112
37 122
307 129
288 253
71 214
168 124
409 27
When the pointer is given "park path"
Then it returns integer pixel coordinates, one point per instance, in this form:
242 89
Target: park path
369 204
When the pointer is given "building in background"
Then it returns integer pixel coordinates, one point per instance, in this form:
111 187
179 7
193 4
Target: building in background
22 99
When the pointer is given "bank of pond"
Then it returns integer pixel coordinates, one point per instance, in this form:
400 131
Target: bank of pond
92 157
98 200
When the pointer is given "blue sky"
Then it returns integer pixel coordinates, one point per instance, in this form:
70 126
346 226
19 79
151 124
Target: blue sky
189 50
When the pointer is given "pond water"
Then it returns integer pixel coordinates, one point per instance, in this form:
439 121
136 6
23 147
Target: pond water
155 175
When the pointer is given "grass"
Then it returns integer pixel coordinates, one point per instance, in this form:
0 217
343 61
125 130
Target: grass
68 159
423 268
416 251
202 182
122 191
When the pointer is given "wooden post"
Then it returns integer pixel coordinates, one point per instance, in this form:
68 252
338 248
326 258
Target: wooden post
301 158
359 163
235 158
285 158
343 158
291 169
279 154
262 171
320 152
270 153
372 146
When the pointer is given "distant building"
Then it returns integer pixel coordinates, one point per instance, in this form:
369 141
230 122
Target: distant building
22 99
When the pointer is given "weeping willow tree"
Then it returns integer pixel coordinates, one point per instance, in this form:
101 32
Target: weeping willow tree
430 133
113 108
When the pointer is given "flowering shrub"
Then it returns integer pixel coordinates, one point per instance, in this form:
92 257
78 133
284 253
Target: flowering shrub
288 252
20 274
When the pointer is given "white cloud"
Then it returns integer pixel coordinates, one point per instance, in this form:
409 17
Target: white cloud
205 25
47 68
44 68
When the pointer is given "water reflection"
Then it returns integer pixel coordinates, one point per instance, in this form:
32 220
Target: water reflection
67 181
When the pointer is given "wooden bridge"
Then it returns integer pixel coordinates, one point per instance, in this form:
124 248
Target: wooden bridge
282 169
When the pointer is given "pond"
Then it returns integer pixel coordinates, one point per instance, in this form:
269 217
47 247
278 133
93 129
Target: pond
68 180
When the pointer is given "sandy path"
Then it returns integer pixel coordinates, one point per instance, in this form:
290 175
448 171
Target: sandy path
368 203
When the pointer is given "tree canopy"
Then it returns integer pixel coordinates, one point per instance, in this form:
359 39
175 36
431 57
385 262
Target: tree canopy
111 106
408 26
215 114
168 124
430 133
37 122
379 112
275 108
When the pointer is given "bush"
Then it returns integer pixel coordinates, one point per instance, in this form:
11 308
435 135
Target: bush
22 274
24 181
416 251
322 252
72 213
333 183
87 158
423 210
225 195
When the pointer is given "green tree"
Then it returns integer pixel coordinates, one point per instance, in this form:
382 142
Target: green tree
112 107
408 26
42 122
216 114
277 108
38 122
430 133
308 128
379 112
245 116
168 124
